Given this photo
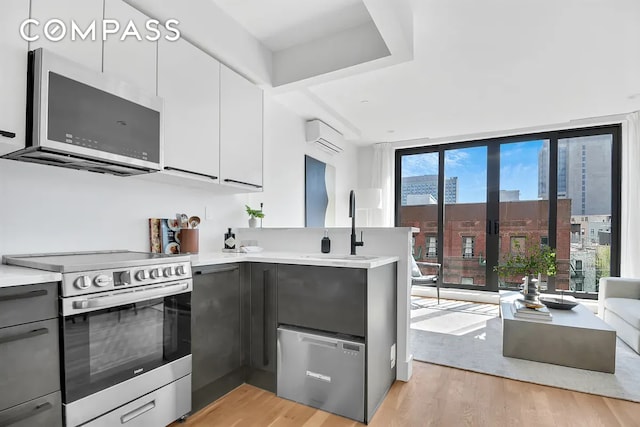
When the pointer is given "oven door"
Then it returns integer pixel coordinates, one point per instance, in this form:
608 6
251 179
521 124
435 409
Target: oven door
111 337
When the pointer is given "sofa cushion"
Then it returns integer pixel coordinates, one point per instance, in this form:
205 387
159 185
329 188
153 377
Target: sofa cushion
627 309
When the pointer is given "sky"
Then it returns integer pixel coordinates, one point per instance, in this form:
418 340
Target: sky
518 169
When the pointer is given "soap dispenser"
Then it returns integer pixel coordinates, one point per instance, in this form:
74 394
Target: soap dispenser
325 245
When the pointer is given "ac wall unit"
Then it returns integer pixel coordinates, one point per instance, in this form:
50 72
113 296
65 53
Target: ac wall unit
324 136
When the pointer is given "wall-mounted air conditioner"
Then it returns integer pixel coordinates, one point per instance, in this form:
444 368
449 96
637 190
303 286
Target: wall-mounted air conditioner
324 136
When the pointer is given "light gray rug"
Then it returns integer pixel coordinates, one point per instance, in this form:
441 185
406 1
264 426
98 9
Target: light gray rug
471 339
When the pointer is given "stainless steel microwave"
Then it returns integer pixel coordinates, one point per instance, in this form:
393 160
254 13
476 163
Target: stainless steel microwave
83 119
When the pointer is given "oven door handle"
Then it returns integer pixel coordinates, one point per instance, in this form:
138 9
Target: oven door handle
91 304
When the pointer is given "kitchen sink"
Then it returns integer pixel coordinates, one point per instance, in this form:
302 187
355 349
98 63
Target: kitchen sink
342 257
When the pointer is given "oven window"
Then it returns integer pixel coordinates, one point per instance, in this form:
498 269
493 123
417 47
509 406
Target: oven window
126 337
105 347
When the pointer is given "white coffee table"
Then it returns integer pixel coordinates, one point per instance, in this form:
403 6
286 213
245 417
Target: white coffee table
576 338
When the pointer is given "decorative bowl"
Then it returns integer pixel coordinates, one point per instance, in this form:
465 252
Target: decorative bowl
557 303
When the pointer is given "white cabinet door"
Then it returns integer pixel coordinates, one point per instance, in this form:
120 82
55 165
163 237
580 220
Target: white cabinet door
84 13
131 60
13 75
189 82
240 131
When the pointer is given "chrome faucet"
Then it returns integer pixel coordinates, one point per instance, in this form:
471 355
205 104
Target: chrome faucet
352 215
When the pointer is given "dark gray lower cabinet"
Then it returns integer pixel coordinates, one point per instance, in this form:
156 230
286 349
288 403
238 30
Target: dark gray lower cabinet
44 411
30 367
236 310
29 356
216 332
263 326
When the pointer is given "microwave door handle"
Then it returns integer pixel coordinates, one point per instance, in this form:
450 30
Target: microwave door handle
84 305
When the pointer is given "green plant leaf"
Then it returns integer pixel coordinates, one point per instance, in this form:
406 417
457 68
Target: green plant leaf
254 213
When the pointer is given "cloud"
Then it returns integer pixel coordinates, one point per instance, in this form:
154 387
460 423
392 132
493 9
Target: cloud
420 164
457 158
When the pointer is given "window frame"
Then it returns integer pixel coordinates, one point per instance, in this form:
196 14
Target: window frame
615 130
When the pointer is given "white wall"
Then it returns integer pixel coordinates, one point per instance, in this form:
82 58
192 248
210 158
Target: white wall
285 148
50 209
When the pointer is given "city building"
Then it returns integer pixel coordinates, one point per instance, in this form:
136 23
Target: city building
465 237
425 185
509 195
584 175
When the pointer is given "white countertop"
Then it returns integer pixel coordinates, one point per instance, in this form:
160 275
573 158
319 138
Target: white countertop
16 276
328 260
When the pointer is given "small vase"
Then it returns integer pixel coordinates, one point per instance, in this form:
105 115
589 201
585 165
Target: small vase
530 292
253 222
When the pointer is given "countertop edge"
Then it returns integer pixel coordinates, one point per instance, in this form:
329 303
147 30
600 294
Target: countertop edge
11 275
287 258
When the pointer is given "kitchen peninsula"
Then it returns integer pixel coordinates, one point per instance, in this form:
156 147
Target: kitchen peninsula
244 306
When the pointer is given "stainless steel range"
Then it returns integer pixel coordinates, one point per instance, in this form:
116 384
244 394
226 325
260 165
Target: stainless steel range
126 335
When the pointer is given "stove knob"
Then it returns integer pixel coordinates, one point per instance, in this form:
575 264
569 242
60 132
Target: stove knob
82 282
102 280
168 272
142 275
180 270
155 273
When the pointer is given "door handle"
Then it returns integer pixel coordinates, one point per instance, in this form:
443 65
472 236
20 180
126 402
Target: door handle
20 417
215 270
7 134
496 227
488 230
186 172
25 335
137 412
320 342
248 184
265 306
24 295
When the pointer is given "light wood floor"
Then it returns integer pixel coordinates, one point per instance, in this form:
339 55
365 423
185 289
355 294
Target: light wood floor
435 396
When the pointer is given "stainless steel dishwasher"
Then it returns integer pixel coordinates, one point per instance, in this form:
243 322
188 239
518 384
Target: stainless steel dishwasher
321 370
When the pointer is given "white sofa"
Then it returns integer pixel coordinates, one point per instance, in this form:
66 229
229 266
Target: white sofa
619 306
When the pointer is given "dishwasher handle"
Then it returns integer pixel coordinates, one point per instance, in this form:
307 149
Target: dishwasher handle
321 341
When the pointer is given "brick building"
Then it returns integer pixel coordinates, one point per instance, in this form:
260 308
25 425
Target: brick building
465 235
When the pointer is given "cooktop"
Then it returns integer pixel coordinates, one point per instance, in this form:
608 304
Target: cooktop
69 262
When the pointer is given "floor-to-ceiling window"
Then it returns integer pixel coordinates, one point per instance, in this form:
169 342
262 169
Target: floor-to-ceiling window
476 201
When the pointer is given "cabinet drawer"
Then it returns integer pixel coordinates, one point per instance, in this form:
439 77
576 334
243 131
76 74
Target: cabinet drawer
29 303
30 362
158 408
44 411
324 298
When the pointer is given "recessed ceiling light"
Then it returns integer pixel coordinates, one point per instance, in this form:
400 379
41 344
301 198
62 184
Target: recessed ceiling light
634 96
390 131
364 101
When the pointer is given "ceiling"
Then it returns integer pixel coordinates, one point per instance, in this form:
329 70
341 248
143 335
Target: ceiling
473 66
281 24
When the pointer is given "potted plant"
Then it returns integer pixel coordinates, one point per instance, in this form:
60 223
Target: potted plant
253 214
531 261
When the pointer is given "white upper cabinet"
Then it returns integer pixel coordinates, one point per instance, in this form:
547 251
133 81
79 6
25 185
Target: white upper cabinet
56 19
189 82
13 75
131 60
240 131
